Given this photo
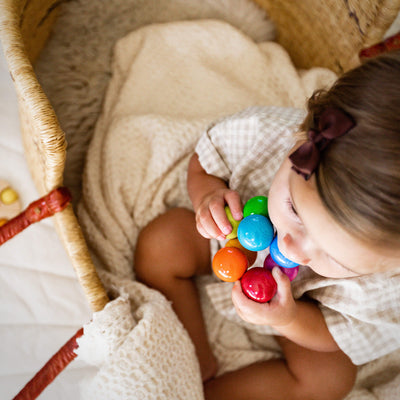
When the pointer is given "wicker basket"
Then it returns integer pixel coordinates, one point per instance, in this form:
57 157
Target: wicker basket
326 33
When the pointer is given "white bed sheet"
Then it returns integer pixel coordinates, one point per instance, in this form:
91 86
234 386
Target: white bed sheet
41 302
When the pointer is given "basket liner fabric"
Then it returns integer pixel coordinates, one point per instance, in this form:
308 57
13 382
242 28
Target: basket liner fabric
75 66
170 81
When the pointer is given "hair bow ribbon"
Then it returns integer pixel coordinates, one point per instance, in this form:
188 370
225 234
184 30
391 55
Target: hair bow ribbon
332 124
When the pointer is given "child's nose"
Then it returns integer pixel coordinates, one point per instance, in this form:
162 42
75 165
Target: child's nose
294 249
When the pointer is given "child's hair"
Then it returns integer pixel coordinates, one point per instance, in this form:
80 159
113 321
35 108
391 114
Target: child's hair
358 177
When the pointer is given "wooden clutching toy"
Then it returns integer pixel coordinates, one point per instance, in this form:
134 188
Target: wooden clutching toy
250 235
10 205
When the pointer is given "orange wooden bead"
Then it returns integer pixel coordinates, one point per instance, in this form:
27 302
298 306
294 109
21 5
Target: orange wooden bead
251 255
229 264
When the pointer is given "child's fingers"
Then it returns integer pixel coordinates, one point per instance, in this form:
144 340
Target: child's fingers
201 230
248 310
239 300
232 198
212 220
283 301
211 231
243 304
207 226
283 283
218 214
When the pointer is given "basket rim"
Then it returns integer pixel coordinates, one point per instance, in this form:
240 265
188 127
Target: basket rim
49 136
48 141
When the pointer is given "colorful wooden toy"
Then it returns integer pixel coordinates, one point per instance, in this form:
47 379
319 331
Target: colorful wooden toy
250 235
233 222
278 257
258 284
255 232
269 263
256 205
10 204
251 255
229 264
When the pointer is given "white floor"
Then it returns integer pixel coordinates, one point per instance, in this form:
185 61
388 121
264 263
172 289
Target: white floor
41 303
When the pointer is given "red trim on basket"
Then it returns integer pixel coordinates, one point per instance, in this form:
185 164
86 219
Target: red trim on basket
46 206
50 370
391 43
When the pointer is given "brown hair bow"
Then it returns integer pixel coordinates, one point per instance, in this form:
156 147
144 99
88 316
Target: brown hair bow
332 124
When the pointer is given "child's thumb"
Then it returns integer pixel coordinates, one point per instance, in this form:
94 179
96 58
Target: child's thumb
283 282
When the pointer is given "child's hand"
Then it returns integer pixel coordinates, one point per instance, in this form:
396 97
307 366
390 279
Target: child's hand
279 311
211 218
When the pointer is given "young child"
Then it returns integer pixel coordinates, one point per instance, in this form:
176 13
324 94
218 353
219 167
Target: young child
335 204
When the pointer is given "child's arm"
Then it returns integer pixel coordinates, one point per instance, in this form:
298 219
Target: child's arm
209 195
300 321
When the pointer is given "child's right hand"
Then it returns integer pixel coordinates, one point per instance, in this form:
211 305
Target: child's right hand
280 311
211 219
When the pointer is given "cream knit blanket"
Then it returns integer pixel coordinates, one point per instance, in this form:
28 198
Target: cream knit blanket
169 82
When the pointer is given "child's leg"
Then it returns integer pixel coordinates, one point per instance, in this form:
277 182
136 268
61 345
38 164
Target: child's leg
303 374
169 253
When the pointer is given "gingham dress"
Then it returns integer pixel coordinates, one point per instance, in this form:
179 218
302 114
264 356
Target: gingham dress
362 313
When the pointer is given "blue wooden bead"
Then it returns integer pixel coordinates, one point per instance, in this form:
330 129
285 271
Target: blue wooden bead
278 257
255 232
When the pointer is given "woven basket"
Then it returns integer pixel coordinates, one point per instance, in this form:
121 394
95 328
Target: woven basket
326 33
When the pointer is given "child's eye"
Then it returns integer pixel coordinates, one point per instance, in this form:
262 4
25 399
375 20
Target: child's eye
292 210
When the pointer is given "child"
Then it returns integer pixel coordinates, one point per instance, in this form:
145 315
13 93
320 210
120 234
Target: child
334 202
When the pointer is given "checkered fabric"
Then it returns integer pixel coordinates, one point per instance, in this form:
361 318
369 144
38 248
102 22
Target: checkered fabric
247 148
362 313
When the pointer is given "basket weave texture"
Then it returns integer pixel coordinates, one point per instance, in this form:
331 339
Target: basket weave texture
330 33
326 33
24 28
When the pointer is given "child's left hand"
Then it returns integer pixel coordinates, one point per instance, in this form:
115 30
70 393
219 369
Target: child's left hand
279 311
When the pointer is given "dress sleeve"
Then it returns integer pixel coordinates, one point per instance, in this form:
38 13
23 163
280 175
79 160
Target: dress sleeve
363 316
227 142
247 148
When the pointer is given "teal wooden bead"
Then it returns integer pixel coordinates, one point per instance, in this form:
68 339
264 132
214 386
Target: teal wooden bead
256 205
255 232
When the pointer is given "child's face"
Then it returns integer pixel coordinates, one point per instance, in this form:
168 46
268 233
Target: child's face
307 234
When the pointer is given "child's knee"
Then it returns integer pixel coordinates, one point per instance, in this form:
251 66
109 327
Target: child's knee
160 242
152 241
165 231
320 375
329 382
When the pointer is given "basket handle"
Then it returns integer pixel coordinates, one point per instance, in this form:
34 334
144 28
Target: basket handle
46 206
57 363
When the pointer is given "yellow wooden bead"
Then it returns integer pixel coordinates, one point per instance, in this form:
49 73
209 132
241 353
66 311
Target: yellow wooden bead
3 221
233 222
8 196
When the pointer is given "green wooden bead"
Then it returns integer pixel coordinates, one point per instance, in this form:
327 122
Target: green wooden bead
256 205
